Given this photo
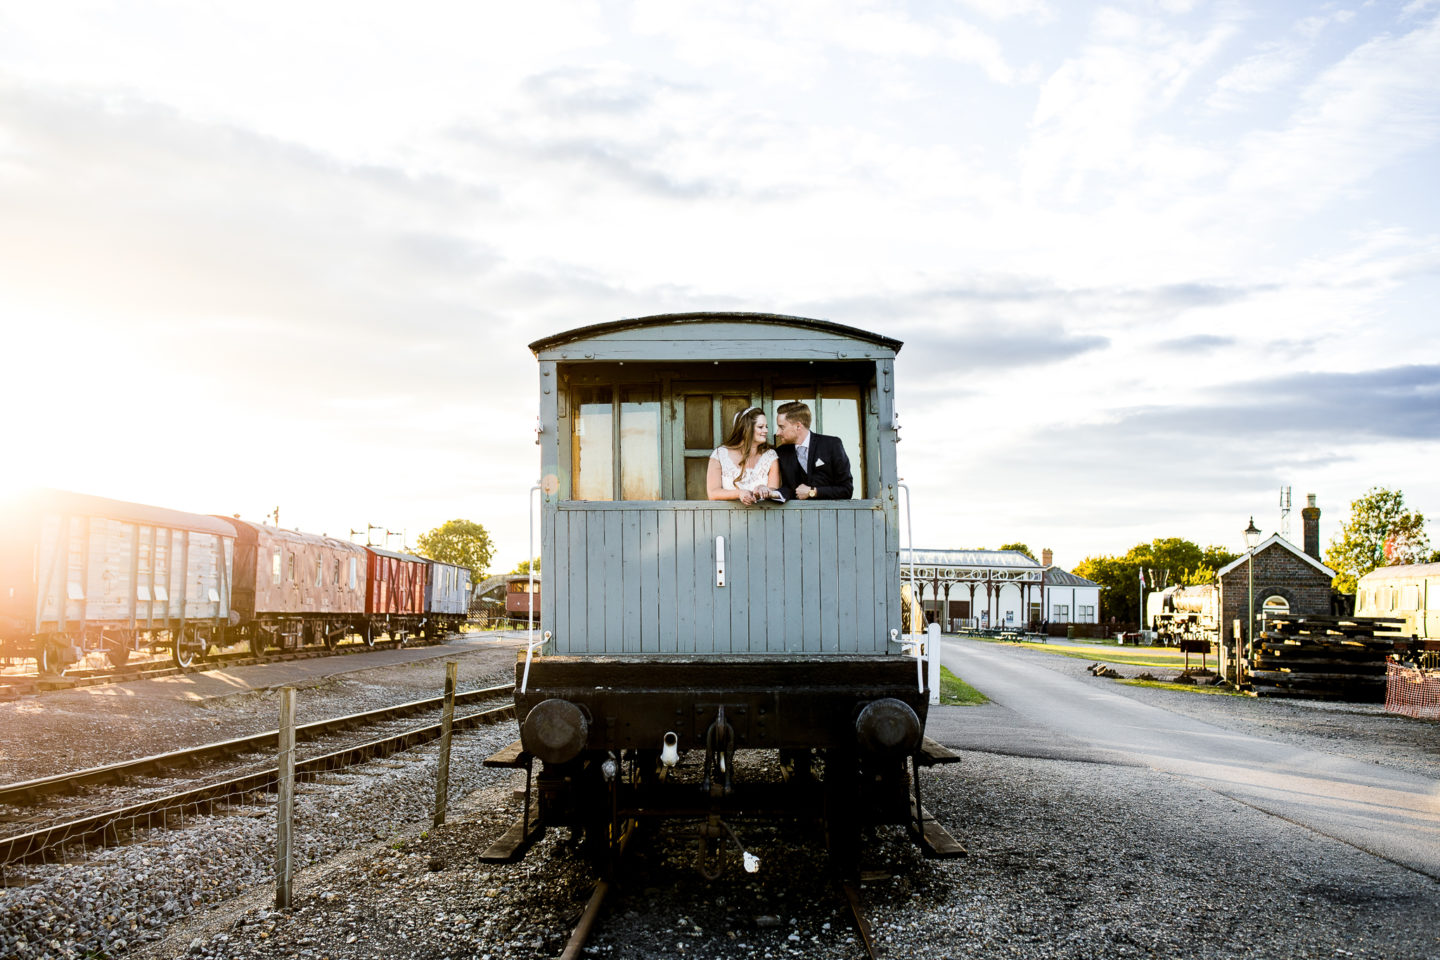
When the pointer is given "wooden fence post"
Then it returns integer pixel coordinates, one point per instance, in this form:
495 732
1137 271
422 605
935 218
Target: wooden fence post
286 807
442 780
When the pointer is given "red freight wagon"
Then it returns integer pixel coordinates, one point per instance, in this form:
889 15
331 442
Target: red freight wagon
395 592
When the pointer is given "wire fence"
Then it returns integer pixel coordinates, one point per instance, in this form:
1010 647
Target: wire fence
1412 691
107 887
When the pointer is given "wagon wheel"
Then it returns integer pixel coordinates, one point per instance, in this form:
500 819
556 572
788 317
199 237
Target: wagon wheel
182 652
257 641
45 660
327 636
117 654
368 634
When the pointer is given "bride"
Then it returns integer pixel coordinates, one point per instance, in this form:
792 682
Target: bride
745 467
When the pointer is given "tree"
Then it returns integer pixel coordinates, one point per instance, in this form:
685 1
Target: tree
1166 562
462 542
1018 548
1380 532
524 566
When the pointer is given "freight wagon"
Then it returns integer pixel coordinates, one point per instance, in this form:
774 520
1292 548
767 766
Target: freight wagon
81 574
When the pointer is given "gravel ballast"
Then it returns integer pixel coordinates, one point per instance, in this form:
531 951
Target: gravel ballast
1068 858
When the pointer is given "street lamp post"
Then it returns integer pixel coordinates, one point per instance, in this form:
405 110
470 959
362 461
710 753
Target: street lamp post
1252 537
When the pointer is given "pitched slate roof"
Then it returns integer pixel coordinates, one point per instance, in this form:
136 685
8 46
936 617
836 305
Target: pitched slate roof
1055 577
1277 540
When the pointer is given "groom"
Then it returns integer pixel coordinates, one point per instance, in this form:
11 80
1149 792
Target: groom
812 465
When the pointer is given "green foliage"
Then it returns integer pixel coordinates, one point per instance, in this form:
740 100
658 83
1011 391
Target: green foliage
524 566
1380 532
462 542
1018 548
1169 560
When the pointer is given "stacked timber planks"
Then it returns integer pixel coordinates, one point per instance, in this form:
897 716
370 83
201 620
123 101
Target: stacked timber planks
1333 658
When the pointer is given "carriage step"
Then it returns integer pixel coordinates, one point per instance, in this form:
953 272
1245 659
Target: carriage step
933 753
934 839
515 841
513 756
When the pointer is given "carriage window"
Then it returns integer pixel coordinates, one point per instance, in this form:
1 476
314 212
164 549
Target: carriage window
609 419
836 410
709 415
1410 597
275 567
639 443
352 573
319 572
592 447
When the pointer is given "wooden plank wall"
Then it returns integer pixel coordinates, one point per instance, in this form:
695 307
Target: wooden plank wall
639 577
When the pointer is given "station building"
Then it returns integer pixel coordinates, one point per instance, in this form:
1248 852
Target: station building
1287 579
997 588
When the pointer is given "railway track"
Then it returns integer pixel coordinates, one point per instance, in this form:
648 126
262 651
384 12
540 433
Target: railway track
13 685
39 836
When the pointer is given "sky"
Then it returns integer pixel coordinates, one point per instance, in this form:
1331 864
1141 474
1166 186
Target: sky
1151 261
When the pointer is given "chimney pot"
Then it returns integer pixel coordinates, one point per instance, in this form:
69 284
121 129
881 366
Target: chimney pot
1311 518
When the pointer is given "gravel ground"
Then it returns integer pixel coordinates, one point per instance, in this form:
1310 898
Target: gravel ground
1068 859
90 726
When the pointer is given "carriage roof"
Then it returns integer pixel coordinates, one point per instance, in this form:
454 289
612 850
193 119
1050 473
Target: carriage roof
1403 571
700 336
64 502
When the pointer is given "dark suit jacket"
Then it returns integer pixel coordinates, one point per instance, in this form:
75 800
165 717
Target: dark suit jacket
828 470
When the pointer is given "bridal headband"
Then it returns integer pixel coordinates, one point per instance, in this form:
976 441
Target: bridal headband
742 413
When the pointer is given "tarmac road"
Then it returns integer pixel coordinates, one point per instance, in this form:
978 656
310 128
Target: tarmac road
1041 712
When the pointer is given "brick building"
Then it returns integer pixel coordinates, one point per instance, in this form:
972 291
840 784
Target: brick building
1287 578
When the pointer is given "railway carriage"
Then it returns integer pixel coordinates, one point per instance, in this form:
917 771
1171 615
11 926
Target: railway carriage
447 598
294 589
394 594
675 624
81 573
1410 592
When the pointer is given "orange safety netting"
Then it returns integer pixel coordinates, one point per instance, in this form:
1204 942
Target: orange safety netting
1412 692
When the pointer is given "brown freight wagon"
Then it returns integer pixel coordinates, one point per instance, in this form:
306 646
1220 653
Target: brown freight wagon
394 594
293 588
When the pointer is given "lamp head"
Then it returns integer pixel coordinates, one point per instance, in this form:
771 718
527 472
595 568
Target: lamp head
1252 535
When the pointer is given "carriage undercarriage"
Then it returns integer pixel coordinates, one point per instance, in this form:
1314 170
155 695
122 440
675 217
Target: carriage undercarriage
719 742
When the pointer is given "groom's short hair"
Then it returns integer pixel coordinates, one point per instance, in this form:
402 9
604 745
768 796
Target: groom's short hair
795 412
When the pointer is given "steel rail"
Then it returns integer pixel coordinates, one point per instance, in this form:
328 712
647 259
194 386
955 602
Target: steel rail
852 897
154 669
19 794
106 826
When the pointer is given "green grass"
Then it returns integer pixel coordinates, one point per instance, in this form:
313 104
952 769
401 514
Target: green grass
955 691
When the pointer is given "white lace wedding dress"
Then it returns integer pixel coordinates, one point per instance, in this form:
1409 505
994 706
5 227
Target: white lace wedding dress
731 477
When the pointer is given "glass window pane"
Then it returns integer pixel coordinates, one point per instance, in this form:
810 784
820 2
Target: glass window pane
698 422
592 447
840 417
695 470
639 443
730 407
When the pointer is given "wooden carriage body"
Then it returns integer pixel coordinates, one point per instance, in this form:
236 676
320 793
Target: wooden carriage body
638 562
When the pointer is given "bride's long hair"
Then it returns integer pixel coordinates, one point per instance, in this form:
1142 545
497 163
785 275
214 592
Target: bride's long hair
742 434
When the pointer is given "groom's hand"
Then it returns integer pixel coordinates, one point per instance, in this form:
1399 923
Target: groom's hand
805 491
